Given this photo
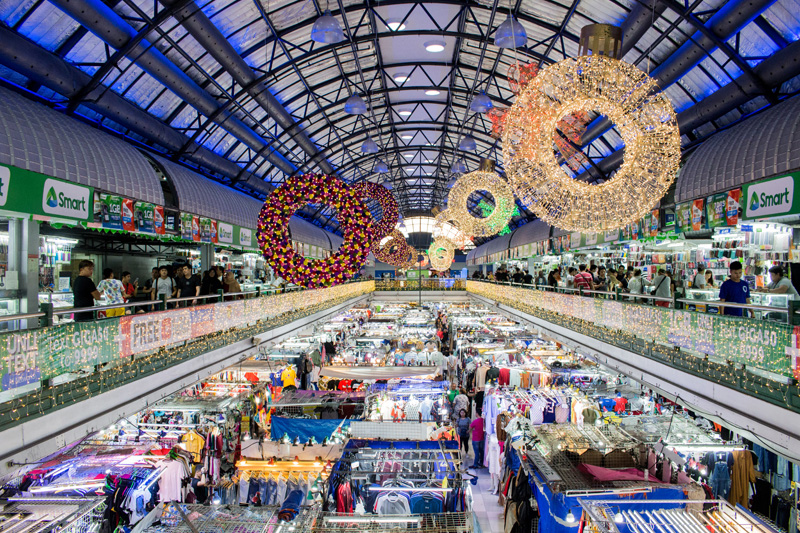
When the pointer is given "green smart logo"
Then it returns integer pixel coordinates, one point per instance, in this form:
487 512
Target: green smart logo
773 197
52 200
5 181
64 199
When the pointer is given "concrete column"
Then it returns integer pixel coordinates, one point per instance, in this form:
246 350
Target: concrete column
206 256
24 242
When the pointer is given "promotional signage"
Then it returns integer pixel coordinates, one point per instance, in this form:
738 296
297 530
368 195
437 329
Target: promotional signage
697 215
683 217
225 233
128 221
733 207
195 225
245 237
755 343
205 230
716 214
773 197
30 193
159 220
29 357
108 211
186 226
145 217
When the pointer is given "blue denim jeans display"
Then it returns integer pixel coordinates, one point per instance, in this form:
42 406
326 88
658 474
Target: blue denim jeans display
477 449
721 480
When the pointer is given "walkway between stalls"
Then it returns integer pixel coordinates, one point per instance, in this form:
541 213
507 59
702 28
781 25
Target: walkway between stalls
484 505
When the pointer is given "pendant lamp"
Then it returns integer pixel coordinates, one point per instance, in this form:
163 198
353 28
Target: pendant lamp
510 34
355 105
326 29
467 144
481 103
369 146
381 167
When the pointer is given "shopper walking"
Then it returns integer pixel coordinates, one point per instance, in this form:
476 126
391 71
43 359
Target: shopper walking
663 287
583 279
477 441
462 425
188 284
734 290
84 291
114 292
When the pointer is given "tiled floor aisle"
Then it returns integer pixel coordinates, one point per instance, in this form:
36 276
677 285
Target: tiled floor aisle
485 506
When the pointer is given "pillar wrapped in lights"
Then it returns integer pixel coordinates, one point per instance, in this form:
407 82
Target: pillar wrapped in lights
647 125
458 208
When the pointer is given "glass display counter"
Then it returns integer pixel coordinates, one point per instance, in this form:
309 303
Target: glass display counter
706 298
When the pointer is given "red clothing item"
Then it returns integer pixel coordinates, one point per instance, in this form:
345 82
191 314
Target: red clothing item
505 375
477 429
583 280
344 499
346 385
621 402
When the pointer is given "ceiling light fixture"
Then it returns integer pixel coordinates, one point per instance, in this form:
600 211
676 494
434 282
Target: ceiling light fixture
369 146
433 92
510 34
467 144
404 112
395 24
355 105
380 167
326 29
400 77
406 136
458 167
481 103
435 46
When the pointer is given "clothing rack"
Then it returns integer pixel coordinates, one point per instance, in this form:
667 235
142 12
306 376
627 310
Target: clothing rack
430 523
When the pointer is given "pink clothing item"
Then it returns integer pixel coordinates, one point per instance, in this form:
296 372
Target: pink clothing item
477 429
505 373
606 474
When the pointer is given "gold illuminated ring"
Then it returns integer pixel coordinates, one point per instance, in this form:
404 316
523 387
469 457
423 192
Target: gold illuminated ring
441 253
392 249
646 122
480 181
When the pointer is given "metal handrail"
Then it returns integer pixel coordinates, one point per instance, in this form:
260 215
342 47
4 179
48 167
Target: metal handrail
717 303
23 316
70 310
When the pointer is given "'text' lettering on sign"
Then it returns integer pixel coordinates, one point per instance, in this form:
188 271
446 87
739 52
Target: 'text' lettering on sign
65 199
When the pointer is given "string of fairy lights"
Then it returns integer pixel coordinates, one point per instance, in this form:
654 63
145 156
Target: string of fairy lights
275 311
735 344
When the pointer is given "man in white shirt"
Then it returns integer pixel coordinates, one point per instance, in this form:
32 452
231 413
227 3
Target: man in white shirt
663 287
699 281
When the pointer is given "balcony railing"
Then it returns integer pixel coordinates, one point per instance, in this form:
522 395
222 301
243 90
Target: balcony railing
426 284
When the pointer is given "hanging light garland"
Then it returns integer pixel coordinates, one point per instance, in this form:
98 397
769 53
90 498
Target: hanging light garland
441 253
646 122
379 193
480 181
354 218
459 238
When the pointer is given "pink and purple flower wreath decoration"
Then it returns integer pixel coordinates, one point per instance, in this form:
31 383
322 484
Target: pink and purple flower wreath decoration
354 218
382 195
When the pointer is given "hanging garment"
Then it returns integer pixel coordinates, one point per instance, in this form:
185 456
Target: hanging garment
493 456
742 474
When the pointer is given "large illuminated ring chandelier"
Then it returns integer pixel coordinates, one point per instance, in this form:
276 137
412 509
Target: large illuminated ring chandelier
480 181
460 239
441 253
275 244
392 249
379 193
646 122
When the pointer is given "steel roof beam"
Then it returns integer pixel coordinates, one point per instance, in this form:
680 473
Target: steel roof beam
208 35
111 28
730 19
34 62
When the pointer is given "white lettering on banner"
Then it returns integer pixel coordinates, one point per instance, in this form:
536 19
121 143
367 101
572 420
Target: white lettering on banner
150 332
224 233
65 199
772 197
245 237
80 347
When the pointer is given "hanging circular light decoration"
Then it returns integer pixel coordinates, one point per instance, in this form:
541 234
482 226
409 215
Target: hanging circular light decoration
421 260
392 249
480 181
379 193
459 238
647 125
354 218
441 253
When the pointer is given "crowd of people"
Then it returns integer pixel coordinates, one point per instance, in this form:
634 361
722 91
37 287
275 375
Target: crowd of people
166 281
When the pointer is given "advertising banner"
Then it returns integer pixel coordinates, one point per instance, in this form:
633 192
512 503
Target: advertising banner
205 229
186 226
755 343
245 237
773 197
19 357
716 214
214 231
108 210
698 222
733 207
195 228
145 217
128 222
159 220
78 344
30 193
653 224
683 217
224 233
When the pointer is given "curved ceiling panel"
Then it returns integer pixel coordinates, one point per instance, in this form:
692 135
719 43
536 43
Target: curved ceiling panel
34 137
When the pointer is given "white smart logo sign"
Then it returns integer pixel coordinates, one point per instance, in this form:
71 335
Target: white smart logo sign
245 237
65 199
224 233
5 180
773 197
